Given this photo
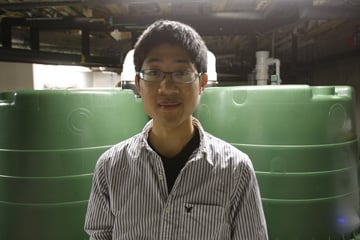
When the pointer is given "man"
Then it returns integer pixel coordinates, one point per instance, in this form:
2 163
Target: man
173 180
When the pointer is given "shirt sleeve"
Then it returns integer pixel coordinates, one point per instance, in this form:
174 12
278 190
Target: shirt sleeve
247 218
99 219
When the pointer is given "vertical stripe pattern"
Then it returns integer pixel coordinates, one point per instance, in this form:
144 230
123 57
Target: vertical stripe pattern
215 196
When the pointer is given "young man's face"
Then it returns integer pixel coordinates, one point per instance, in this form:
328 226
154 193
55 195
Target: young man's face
170 103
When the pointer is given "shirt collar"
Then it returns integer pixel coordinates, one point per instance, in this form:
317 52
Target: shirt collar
203 147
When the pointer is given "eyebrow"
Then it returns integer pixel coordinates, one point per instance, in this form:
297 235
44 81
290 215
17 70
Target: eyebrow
155 59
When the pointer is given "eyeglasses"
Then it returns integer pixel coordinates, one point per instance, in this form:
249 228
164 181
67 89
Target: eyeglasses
153 75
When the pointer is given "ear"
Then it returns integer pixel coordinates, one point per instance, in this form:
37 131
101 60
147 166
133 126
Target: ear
203 82
137 84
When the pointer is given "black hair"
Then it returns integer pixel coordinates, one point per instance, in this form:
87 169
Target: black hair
174 33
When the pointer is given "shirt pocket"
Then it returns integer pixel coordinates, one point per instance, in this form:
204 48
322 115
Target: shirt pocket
202 221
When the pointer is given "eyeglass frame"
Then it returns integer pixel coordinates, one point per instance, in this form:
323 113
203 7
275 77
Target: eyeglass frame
197 75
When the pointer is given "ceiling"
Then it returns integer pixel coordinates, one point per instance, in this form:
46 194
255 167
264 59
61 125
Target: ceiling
98 33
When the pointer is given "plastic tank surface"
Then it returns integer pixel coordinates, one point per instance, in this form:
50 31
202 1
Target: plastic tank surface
49 143
303 145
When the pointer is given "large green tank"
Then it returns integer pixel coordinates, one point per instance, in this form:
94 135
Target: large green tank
49 144
303 145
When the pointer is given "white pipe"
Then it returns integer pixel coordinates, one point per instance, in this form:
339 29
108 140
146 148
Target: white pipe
275 61
273 44
262 75
262 65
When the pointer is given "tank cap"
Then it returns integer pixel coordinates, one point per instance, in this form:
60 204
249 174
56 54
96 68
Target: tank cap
324 90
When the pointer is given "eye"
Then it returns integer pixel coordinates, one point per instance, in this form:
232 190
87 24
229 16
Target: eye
181 73
153 72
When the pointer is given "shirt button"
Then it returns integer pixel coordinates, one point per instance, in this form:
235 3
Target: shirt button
167 210
161 177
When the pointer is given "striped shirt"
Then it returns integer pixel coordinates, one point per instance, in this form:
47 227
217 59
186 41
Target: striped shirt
215 195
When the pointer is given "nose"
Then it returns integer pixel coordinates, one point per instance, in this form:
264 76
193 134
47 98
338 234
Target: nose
167 85
167 75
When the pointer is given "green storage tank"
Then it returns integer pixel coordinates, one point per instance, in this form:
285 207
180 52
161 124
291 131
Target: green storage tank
49 144
303 145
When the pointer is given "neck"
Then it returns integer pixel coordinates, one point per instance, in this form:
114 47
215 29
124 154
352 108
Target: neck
170 141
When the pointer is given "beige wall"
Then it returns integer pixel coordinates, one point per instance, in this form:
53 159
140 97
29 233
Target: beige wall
26 76
16 76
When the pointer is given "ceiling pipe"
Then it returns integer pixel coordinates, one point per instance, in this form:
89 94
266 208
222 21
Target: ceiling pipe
249 15
207 25
96 24
25 5
224 23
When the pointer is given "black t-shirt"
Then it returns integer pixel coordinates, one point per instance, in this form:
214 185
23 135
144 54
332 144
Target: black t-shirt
173 165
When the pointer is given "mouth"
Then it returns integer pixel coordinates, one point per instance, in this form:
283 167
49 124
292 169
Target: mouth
169 105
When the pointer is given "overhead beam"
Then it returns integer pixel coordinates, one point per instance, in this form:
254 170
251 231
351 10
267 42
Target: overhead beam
30 56
328 13
34 39
85 43
5 35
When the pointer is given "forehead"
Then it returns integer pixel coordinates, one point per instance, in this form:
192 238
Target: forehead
167 53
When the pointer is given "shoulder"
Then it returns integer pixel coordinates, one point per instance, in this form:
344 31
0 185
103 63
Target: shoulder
118 154
232 163
220 153
224 151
